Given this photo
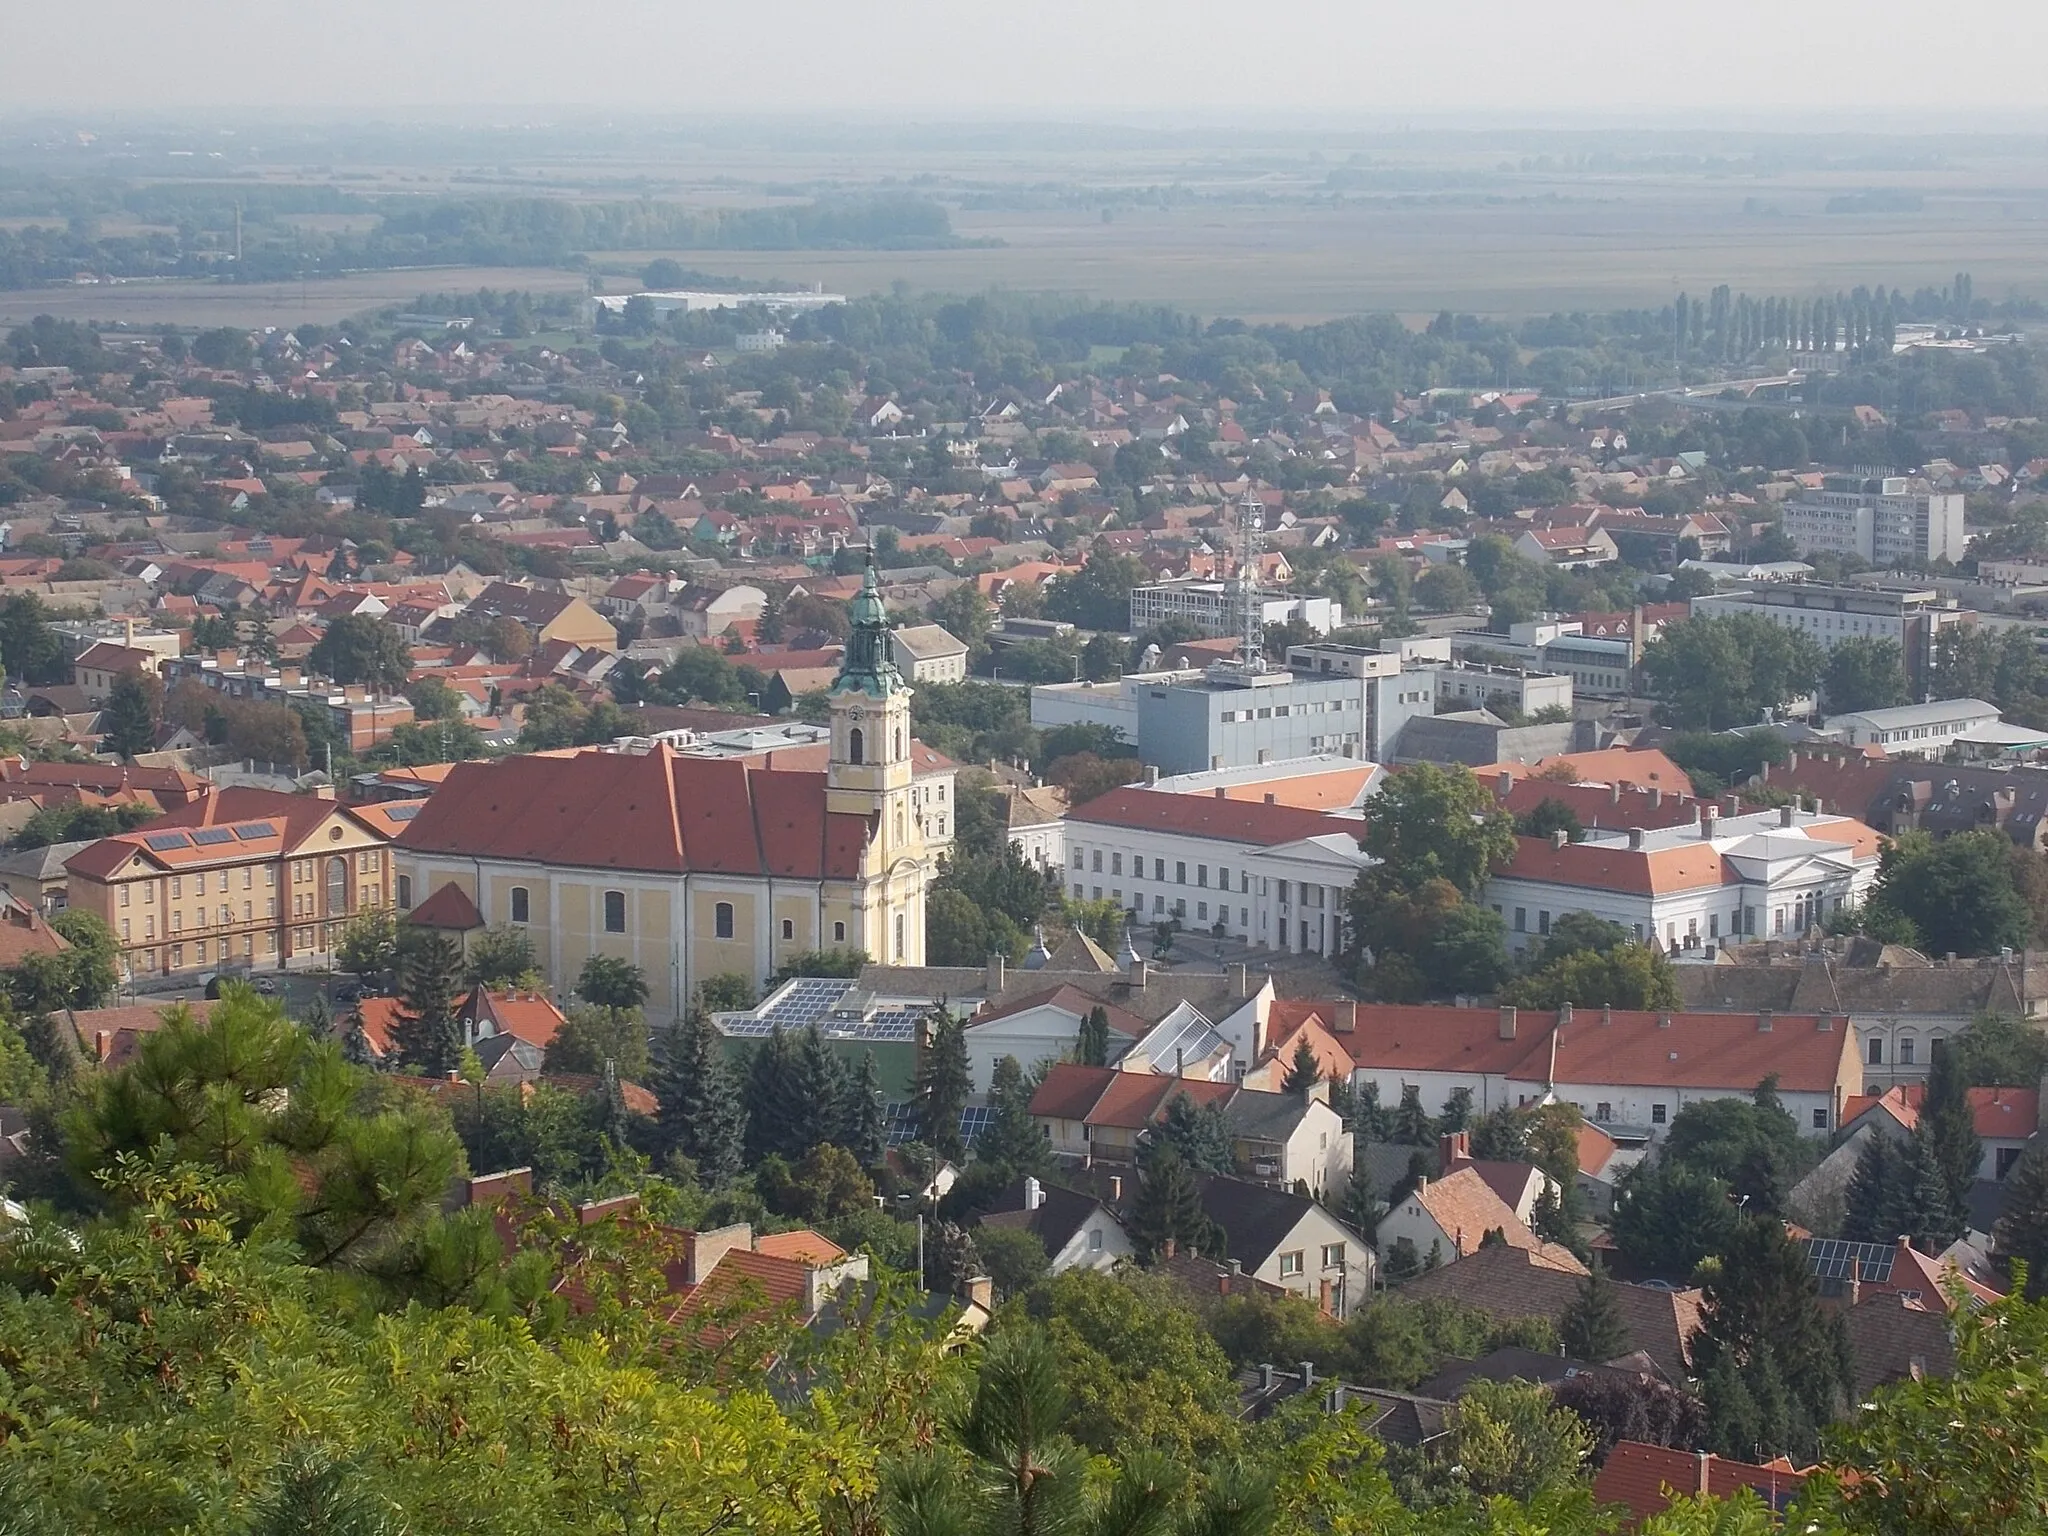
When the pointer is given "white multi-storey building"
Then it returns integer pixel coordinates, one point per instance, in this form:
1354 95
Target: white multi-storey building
1765 874
1271 875
1883 519
1217 608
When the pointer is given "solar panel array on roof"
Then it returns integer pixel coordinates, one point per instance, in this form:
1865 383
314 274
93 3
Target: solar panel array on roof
208 837
251 831
164 842
902 1122
805 1000
402 812
1834 1261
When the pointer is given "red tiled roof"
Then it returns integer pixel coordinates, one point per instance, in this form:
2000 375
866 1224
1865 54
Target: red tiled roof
1068 999
1613 867
1646 1477
23 933
1619 1046
449 907
803 1246
1998 1114
654 811
1226 820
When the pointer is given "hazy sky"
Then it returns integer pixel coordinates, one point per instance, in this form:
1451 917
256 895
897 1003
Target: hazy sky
1039 57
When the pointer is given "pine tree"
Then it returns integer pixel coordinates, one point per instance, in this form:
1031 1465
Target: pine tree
1873 1197
1929 1213
1305 1071
774 1098
1197 1134
942 1086
1013 1140
318 1019
821 1092
128 717
1592 1327
863 1127
1168 1208
427 1035
2023 1227
1763 1316
701 1115
951 1260
1457 1112
1411 1125
1091 1046
1950 1129
1369 1120
355 1041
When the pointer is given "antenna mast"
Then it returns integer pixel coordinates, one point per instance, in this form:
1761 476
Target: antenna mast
1251 529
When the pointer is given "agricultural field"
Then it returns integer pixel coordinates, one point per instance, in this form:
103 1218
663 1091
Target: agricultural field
1296 225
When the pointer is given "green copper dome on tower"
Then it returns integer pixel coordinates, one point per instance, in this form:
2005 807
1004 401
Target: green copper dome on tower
867 666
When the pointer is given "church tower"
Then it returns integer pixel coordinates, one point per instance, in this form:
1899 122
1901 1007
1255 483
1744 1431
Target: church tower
869 775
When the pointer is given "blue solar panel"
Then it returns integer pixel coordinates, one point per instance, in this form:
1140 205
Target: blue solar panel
163 842
401 812
255 830
902 1124
207 837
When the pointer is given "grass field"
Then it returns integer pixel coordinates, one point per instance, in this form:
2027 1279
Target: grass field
175 302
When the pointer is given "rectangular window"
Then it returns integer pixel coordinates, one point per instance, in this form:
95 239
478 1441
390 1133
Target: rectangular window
522 904
270 878
1543 922
1096 861
1202 875
1116 863
1077 859
1876 1056
1907 1051
1521 919
1180 873
1603 1111
1333 1255
124 895
615 913
1202 910
1290 1264
1159 869
1820 1118
177 957
839 933
1094 1236
124 930
177 886
1657 1113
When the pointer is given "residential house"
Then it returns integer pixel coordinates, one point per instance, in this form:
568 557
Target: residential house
1504 1282
708 612
1572 549
101 665
1290 1241
1077 1230
545 616
1449 1218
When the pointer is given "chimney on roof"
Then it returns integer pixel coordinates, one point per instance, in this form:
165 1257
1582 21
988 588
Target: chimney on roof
1559 837
1166 1248
1606 1015
1450 1147
1635 839
1507 1022
1710 818
1791 760
1180 1061
1505 785
1034 1193
1706 1462
1271 798
1137 973
1763 1021
1656 797
1265 1378
102 1043
1116 1187
1663 1021
1614 794
1151 776
1308 1374
995 973
1784 815
1240 978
